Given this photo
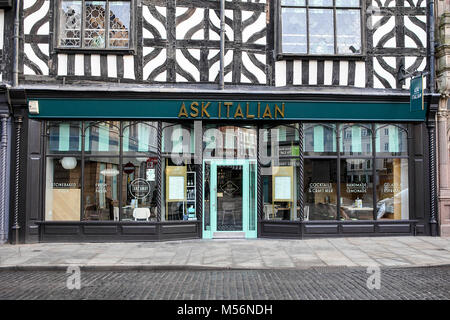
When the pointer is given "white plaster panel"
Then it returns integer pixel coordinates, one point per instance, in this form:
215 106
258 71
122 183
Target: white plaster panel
328 73
62 64
297 78
154 22
187 66
280 73
128 67
185 26
79 65
95 65
312 72
30 21
343 73
260 75
112 65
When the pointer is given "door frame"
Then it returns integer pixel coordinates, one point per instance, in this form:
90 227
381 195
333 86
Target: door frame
245 164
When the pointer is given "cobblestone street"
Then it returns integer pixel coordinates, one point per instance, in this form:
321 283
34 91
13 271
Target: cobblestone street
338 283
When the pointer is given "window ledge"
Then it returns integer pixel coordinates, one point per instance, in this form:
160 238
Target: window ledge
293 56
95 51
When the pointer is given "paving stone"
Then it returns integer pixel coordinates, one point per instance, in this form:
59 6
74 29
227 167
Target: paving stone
318 283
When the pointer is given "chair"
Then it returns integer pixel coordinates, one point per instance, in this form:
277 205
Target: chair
141 213
268 209
116 213
228 207
91 212
306 213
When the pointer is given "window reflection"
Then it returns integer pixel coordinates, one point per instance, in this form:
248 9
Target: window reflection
320 183
101 199
356 189
63 189
392 189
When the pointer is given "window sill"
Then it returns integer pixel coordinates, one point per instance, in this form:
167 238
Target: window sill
293 56
95 51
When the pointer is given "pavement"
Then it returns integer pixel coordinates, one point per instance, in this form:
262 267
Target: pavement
258 254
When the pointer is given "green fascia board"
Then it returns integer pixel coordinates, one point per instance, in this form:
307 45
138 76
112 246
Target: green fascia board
51 108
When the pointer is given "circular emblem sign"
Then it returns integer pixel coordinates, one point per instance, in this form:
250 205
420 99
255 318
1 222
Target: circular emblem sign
139 188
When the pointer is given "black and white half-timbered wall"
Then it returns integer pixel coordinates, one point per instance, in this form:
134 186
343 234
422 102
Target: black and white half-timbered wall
108 91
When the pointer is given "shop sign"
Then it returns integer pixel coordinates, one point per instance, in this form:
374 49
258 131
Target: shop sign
416 94
152 162
320 187
234 110
128 168
139 188
231 110
356 187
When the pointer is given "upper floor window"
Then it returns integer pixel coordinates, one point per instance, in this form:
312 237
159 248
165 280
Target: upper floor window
94 24
321 27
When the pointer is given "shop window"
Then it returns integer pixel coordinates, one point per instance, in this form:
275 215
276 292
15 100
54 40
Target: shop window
320 183
179 186
140 190
101 186
63 137
356 200
84 24
231 142
394 141
102 138
279 142
320 27
392 189
63 188
140 138
352 140
280 190
319 139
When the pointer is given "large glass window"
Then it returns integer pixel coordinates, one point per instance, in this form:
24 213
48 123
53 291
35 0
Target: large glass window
356 200
232 142
319 139
94 24
392 172
392 189
101 188
63 189
321 27
280 171
356 140
320 183
180 183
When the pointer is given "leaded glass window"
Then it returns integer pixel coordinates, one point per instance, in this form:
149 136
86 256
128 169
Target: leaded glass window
94 24
321 27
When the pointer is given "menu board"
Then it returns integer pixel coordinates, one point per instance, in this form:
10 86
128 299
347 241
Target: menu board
176 187
283 188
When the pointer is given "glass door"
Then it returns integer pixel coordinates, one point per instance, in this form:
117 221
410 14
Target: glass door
230 198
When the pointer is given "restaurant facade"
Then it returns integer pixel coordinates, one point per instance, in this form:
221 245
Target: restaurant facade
151 128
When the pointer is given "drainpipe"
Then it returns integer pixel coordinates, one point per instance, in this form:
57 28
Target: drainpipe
432 125
3 189
222 45
16 45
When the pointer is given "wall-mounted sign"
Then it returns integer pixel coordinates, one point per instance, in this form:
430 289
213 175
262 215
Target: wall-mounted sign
416 94
128 168
223 109
139 188
233 110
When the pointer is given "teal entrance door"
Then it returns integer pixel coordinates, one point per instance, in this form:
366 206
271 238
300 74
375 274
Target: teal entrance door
230 198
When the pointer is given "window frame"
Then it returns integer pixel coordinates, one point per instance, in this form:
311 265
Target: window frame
280 55
131 32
